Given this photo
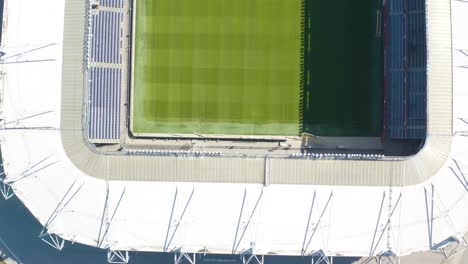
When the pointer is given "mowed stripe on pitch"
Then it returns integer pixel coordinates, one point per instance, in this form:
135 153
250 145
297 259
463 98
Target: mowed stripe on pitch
217 66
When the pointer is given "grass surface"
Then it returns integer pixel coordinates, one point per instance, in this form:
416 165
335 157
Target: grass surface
234 67
218 67
343 88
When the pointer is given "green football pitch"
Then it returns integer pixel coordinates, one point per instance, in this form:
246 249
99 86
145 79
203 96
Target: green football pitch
217 67
256 67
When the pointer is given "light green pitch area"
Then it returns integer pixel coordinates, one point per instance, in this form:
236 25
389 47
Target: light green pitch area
217 67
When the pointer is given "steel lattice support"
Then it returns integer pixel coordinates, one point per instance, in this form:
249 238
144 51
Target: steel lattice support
380 231
5 189
181 257
434 202
450 246
16 122
314 225
105 220
319 257
248 256
22 57
52 239
117 256
239 236
387 257
463 51
455 242
253 259
459 174
174 224
464 120
6 183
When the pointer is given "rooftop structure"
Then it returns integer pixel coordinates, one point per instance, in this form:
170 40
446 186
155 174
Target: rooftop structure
152 198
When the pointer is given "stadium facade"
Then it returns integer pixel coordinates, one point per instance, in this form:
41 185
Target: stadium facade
143 198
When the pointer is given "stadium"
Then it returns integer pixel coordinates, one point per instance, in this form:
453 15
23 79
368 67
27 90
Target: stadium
253 128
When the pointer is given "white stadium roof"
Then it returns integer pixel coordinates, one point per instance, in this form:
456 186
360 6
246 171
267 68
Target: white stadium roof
226 205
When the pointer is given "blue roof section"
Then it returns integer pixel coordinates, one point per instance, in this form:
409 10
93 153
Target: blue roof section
407 84
105 73
112 3
107 34
104 99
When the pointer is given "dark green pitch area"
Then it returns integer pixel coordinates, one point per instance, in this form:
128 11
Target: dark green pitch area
343 87
257 67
